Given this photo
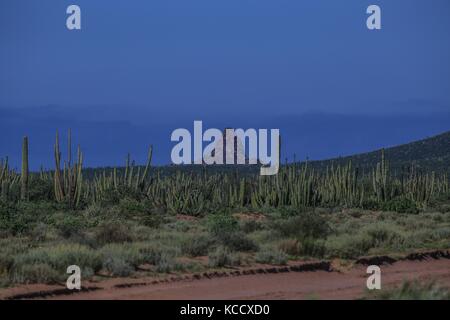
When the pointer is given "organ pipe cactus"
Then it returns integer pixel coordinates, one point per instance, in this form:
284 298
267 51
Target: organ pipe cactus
68 183
297 185
25 170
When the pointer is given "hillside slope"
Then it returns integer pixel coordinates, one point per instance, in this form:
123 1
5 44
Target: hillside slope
431 154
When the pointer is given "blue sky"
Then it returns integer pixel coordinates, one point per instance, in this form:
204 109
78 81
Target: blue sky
163 63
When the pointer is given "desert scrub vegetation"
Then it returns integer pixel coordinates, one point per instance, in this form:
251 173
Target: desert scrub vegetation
197 191
270 255
223 257
224 229
51 263
125 246
412 290
134 219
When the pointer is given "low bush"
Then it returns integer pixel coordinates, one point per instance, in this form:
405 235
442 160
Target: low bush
238 241
39 232
225 230
58 258
312 248
70 226
117 266
348 246
271 256
223 257
153 220
197 245
250 226
220 224
371 203
290 246
133 207
167 263
384 235
401 205
35 273
413 290
113 232
305 225
41 189
113 255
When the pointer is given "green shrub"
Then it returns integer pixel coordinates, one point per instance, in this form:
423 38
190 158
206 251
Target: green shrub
41 190
124 196
306 225
9 248
117 266
196 246
312 248
384 235
94 210
109 197
153 220
413 290
271 256
60 257
70 226
371 204
35 273
237 241
290 211
220 224
348 246
39 232
305 247
401 205
19 218
225 230
166 263
444 208
120 255
222 257
250 226
113 232
132 206
151 254
354 245
290 246
421 237
440 233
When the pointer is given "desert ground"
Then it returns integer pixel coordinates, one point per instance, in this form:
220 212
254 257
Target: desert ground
297 280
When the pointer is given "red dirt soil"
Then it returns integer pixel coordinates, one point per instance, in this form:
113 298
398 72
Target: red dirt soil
287 285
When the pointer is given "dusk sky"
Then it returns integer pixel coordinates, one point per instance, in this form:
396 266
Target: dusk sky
139 69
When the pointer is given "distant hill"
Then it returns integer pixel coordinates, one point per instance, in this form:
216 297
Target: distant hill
431 154
107 134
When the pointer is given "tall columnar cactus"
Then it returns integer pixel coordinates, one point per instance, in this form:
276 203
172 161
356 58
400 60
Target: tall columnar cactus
147 166
68 183
5 190
25 170
380 179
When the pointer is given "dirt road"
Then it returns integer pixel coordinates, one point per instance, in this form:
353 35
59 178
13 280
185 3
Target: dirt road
285 285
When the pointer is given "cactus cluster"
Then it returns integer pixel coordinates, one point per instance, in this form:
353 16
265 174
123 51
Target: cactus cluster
133 179
197 192
9 180
68 182
296 185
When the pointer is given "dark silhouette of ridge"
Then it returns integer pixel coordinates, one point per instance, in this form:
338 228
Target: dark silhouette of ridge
431 154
